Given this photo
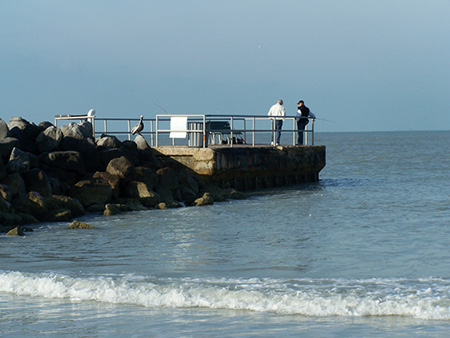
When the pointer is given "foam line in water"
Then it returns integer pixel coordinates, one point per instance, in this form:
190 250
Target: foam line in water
418 298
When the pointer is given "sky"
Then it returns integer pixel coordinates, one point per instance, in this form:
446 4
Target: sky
359 65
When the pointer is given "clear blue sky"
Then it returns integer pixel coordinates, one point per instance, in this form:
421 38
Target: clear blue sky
366 65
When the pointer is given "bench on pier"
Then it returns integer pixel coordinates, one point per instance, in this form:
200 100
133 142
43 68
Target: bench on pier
219 130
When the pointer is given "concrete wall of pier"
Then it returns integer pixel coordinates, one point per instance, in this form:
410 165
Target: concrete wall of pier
248 168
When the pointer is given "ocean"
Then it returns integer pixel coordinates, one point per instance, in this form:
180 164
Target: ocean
364 252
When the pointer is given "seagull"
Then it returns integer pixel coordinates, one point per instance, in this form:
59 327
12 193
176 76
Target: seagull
138 127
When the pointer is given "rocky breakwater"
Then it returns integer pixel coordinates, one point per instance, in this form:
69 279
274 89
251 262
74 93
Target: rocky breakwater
56 174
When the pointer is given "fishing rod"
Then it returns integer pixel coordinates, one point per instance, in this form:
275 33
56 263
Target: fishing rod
161 108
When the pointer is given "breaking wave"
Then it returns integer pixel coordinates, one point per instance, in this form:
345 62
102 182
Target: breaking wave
427 298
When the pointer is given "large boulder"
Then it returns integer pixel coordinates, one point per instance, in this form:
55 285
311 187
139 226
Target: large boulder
25 132
112 180
5 192
148 159
16 185
3 172
130 151
44 125
33 204
92 191
141 143
107 142
67 160
61 178
167 178
4 130
36 180
49 139
76 131
60 202
121 167
7 144
21 161
106 155
146 175
142 192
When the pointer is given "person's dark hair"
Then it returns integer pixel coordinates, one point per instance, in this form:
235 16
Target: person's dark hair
301 101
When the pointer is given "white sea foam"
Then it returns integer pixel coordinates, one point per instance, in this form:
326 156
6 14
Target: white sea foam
422 298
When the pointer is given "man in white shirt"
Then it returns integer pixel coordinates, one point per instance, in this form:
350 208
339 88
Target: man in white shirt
277 114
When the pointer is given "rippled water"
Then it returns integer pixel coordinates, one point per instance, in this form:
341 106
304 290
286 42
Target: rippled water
364 252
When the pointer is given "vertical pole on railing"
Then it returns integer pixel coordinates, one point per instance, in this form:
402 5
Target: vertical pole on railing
156 130
312 132
151 133
105 123
231 131
306 134
245 130
129 130
204 131
293 132
253 133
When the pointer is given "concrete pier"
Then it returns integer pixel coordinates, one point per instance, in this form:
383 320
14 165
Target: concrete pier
246 168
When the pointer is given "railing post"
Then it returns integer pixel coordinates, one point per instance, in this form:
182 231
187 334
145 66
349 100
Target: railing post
312 132
129 130
293 131
231 132
157 118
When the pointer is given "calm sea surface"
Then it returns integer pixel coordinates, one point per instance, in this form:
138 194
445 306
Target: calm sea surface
363 253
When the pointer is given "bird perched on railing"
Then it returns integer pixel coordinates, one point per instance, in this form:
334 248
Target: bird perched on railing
138 127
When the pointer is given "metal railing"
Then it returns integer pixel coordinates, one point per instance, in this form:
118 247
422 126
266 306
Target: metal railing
254 130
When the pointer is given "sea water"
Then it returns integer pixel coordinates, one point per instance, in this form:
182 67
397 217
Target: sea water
362 253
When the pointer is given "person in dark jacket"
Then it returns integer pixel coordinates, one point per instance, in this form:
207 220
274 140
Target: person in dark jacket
303 113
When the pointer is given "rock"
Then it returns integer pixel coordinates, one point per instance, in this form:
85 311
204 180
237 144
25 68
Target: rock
146 175
32 204
79 225
6 146
218 194
67 160
162 206
121 167
97 208
206 199
165 194
141 143
26 138
64 177
110 210
190 181
167 178
92 191
143 193
188 196
36 180
17 231
105 156
4 130
106 142
21 161
130 151
148 159
76 131
16 185
112 180
44 125
58 202
49 139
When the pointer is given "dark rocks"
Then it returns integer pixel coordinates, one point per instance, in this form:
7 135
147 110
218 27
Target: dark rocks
36 180
142 192
49 139
120 167
68 160
56 174
92 191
